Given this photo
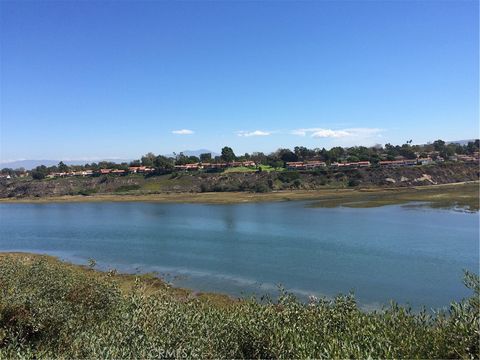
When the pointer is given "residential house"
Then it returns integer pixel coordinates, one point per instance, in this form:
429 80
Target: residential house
314 164
351 165
295 165
188 167
140 169
466 158
410 162
249 163
214 165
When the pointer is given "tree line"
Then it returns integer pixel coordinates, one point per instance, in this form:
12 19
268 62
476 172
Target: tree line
276 159
279 157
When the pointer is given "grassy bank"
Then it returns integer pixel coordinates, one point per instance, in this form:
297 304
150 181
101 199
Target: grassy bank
444 196
50 309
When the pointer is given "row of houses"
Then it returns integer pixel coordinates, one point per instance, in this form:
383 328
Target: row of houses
131 170
310 165
70 173
307 165
465 158
429 161
351 165
146 170
206 166
8 176
406 162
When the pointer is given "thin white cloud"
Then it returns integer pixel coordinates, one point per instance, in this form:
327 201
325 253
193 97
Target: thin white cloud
328 133
183 132
299 132
254 133
335 134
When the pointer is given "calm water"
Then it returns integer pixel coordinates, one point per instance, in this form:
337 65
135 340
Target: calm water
415 256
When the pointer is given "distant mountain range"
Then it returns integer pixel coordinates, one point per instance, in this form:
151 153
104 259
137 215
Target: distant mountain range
31 164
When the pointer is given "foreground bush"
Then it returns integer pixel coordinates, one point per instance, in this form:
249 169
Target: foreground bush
49 309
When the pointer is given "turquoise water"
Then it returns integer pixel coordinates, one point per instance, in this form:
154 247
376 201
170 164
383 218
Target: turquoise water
412 255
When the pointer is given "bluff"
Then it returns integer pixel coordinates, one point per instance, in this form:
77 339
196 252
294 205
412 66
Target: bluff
249 181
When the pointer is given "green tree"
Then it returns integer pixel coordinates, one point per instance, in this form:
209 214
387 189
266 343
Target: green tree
303 153
193 159
391 151
181 159
472 147
164 163
259 158
206 157
407 151
39 172
148 159
7 171
286 155
439 145
62 167
336 153
227 154
448 151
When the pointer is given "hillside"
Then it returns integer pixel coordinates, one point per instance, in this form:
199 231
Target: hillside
183 182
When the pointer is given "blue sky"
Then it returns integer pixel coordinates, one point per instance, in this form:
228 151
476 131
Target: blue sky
118 79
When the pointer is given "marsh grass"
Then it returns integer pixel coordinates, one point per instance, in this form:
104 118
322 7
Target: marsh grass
50 309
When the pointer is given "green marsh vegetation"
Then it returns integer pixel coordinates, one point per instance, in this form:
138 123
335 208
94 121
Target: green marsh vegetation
52 309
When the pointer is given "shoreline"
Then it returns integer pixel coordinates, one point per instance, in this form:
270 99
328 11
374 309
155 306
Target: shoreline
444 195
127 281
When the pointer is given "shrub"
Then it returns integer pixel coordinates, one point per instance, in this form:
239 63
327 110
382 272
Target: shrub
38 175
53 310
204 187
320 172
288 176
87 192
261 187
353 182
323 180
